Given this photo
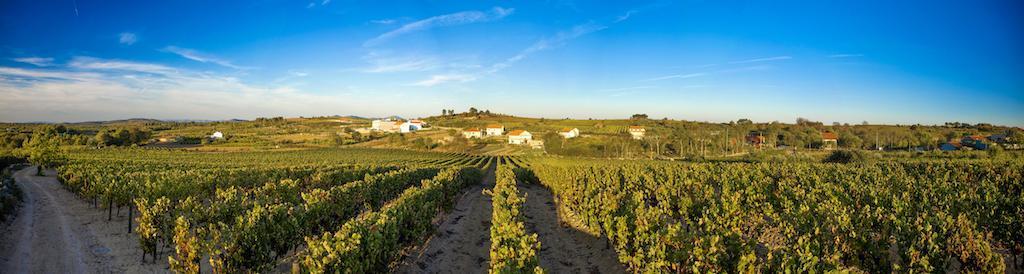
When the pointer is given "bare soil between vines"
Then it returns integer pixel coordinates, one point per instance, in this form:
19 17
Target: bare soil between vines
56 232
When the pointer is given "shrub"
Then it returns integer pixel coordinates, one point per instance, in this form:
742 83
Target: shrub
848 156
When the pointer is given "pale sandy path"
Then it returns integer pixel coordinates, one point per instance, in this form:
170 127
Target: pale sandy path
564 249
55 232
462 242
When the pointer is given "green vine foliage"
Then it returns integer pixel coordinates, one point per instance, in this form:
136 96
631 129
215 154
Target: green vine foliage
923 216
512 249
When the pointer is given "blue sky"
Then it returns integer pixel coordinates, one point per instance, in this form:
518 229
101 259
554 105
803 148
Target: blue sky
909 62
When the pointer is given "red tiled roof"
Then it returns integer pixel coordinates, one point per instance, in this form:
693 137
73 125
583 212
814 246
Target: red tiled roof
829 136
566 129
494 126
516 132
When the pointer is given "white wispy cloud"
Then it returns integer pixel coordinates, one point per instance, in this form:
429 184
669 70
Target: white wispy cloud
547 43
627 88
846 55
558 40
444 78
127 38
453 19
39 74
317 3
36 61
746 68
381 64
384 21
90 88
200 57
625 16
766 59
675 76
290 76
91 63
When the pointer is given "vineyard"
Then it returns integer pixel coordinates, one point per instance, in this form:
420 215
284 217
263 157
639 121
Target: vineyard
798 217
245 211
363 210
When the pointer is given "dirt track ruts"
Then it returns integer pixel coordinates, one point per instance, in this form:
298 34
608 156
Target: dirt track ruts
56 232
462 242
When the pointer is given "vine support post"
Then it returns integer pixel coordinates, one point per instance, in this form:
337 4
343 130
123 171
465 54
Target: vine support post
130 205
110 209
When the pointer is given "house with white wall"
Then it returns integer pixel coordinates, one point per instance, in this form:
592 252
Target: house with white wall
406 127
391 125
495 130
568 133
470 133
637 132
519 137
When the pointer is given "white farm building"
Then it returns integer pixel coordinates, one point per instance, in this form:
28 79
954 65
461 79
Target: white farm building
472 133
568 133
388 125
519 137
495 130
637 132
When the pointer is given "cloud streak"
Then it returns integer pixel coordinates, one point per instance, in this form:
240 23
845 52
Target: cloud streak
675 76
91 63
846 55
766 59
89 88
625 16
400 64
35 61
202 58
127 38
558 40
444 78
453 19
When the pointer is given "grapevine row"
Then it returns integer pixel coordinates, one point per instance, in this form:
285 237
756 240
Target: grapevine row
512 249
370 242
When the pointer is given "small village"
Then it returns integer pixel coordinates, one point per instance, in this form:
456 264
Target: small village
521 137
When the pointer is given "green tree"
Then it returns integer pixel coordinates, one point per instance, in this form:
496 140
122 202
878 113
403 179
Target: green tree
849 140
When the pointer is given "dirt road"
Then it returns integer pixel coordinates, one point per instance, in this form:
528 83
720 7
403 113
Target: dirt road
462 242
55 232
564 249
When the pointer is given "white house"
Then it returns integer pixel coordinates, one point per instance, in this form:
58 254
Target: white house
519 137
408 127
472 133
637 132
495 130
387 125
569 133
419 123
379 125
217 135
